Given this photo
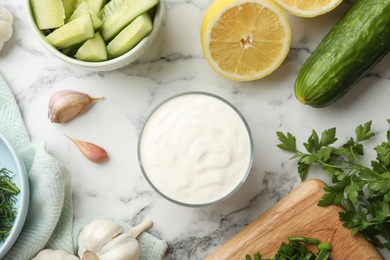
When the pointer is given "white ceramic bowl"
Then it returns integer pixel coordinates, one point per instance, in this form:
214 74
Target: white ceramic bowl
195 149
116 63
10 160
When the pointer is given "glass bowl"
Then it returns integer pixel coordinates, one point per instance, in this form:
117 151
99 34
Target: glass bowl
195 149
10 159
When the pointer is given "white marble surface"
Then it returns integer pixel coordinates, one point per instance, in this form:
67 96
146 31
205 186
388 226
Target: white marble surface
173 65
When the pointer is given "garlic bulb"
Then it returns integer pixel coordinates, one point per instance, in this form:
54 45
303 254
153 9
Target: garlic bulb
50 254
106 240
6 20
67 104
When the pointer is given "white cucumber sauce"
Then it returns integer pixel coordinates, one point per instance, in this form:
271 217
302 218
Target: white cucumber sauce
195 149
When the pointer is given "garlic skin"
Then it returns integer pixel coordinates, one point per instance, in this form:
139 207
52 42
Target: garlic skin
64 105
50 254
104 239
6 30
93 152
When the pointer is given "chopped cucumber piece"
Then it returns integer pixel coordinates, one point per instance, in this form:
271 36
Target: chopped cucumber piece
117 14
72 33
95 5
69 7
97 23
130 36
48 14
83 9
93 49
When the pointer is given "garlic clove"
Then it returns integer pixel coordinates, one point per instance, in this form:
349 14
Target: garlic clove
6 31
64 105
137 230
6 15
51 254
91 151
95 235
6 21
106 240
123 247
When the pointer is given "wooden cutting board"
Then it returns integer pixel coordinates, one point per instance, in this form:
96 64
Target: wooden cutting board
297 214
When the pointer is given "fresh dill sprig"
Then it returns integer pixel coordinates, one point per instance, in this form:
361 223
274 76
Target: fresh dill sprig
8 192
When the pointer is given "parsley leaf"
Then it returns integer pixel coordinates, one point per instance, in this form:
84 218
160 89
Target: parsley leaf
313 143
328 137
363 132
383 153
288 142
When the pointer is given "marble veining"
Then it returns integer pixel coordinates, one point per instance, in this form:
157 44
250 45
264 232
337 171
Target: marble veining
175 64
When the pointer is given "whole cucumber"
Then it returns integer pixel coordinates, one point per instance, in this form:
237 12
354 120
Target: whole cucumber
359 40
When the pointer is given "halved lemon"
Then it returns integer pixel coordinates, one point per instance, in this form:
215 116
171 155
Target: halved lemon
245 40
308 8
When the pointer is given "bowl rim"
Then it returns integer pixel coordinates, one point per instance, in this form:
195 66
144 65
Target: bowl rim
23 197
244 175
129 56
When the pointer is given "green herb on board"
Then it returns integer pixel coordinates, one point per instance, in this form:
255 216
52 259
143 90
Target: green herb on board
364 191
296 249
8 192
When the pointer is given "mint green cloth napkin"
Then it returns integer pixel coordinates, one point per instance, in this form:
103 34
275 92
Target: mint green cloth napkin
50 222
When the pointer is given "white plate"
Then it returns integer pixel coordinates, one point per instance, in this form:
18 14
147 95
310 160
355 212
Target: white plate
10 160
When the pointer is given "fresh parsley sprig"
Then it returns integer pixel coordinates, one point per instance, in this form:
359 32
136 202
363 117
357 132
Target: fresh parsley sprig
364 191
296 249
